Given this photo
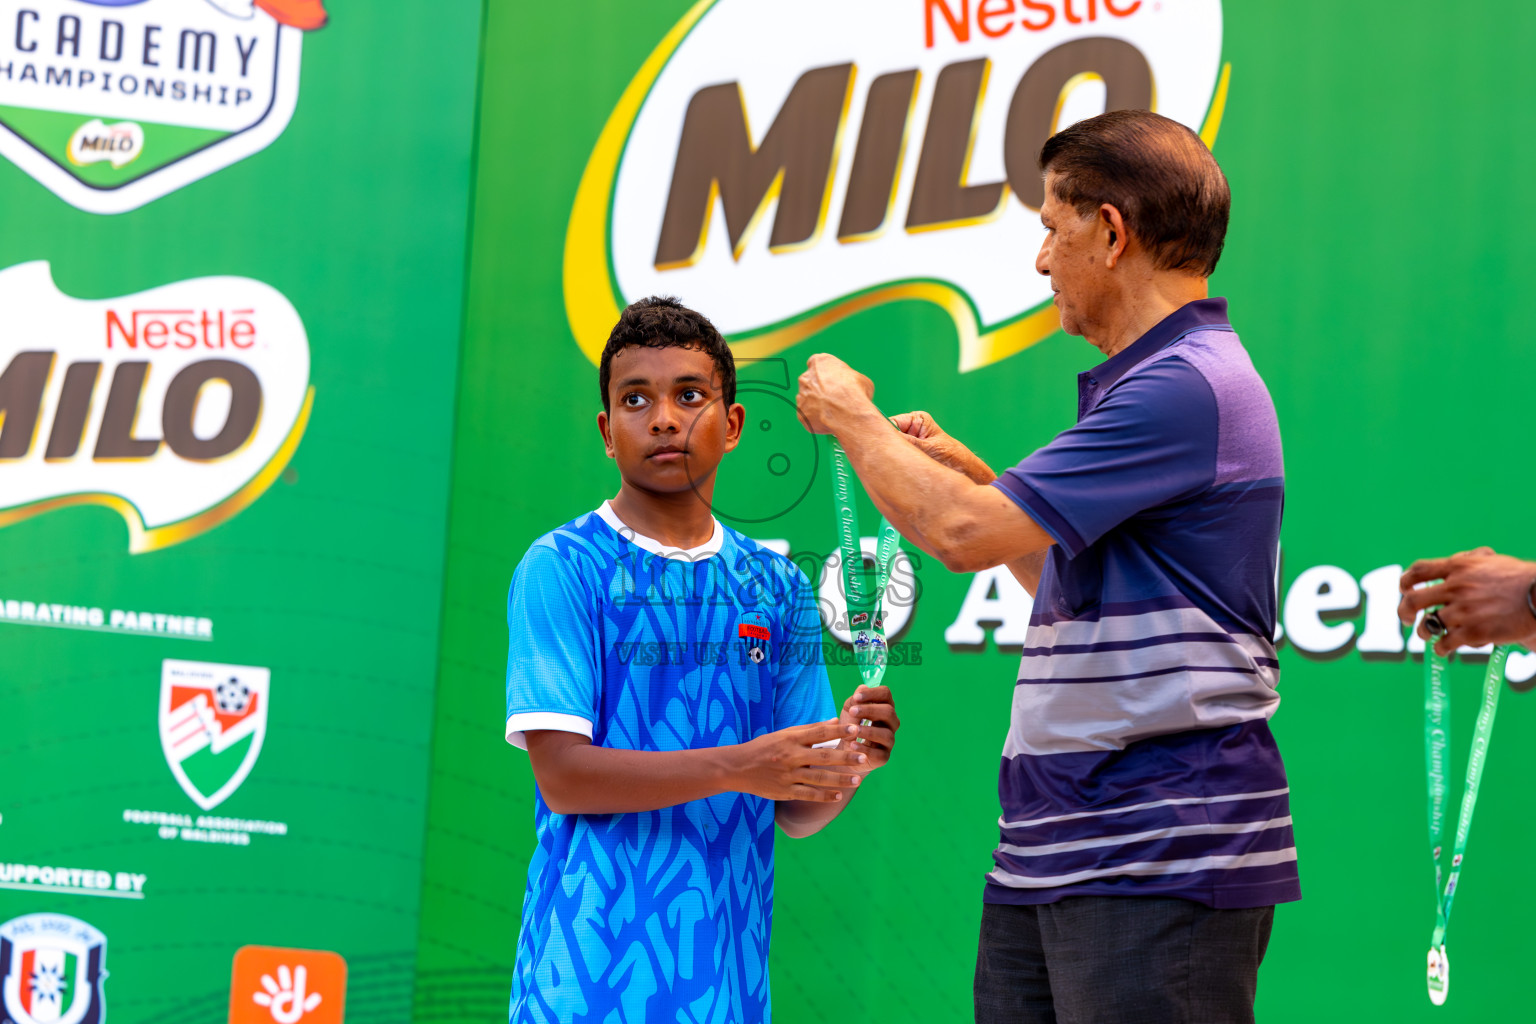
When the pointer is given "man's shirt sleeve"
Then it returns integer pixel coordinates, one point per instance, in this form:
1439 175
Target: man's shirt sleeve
801 691
1152 440
552 657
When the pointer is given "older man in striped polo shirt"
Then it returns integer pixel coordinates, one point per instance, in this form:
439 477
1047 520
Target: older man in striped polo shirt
1146 828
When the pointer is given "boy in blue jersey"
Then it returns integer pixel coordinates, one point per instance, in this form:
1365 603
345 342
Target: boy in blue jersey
665 676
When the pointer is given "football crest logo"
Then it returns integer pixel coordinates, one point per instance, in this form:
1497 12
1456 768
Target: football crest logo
51 971
756 637
113 103
213 719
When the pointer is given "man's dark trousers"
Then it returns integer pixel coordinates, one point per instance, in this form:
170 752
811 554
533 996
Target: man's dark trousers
1119 960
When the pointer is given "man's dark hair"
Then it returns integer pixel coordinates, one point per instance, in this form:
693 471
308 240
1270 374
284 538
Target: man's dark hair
1157 173
663 322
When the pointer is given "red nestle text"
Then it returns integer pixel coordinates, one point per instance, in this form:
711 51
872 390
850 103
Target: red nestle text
997 18
182 328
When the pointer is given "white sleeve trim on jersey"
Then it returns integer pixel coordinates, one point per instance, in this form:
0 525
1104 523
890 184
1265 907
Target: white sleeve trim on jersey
519 724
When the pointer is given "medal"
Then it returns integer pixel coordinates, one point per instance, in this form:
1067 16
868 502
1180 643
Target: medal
1439 976
865 607
1437 725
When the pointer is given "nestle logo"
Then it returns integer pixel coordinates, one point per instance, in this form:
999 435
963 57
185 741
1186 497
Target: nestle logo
182 328
996 18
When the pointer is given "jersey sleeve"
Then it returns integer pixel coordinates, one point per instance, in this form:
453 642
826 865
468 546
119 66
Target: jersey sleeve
1152 440
552 662
801 694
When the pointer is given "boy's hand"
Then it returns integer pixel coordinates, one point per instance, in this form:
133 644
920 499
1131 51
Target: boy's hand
875 704
787 765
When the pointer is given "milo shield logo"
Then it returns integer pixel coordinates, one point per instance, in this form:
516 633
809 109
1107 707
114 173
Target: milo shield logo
176 407
113 103
786 166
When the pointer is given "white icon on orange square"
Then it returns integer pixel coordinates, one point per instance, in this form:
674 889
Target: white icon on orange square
287 986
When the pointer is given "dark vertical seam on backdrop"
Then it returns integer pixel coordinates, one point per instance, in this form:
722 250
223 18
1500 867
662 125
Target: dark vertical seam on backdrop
458 388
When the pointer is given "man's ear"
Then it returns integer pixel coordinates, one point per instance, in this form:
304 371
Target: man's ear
602 428
1112 229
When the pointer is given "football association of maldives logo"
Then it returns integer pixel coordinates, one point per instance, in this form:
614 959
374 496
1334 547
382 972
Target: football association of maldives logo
213 719
51 971
113 103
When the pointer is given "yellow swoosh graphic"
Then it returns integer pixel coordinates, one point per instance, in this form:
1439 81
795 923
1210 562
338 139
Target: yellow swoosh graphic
1218 108
142 539
589 295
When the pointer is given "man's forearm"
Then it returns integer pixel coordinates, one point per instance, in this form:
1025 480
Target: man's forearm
911 490
1027 570
965 524
979 472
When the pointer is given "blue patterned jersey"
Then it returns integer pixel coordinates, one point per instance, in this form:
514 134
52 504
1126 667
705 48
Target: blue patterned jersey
662 915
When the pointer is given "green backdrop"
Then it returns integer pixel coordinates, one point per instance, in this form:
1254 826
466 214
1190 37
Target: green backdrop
357 214
1374 267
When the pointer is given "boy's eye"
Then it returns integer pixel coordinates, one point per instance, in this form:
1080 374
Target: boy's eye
634 400
692 394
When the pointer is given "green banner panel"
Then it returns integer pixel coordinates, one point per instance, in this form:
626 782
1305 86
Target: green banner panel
1373 269
232 273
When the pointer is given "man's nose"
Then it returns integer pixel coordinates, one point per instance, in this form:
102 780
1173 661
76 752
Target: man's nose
1043 259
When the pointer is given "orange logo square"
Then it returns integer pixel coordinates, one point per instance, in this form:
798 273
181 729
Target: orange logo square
287 986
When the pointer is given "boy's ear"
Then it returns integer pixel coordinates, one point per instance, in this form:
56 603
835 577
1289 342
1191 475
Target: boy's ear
602 428
735 420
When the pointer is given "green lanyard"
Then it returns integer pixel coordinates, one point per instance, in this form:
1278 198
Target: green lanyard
1437 728
866 613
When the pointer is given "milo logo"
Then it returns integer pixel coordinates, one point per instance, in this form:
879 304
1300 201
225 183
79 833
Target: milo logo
788 168
176 407
113 103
